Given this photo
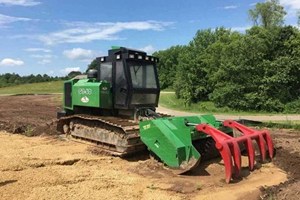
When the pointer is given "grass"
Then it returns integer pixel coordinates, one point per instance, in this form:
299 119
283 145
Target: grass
168 90
34 88
287 124
283 124
169 100
29 131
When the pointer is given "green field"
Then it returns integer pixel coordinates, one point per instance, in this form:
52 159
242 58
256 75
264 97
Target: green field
169 100
34 88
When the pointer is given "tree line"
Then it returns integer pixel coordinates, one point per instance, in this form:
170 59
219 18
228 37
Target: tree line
256 70
11 79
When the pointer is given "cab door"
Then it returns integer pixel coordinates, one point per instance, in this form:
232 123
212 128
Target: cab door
121 89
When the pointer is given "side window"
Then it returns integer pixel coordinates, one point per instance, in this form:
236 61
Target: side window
142 76
106 72
121 84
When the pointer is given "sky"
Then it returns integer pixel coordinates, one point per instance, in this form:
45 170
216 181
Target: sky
55 37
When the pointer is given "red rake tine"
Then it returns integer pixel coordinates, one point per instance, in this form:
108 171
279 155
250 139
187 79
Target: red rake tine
262 146
247 137
236 152
223 145
251 153
262 138
270 144
226 156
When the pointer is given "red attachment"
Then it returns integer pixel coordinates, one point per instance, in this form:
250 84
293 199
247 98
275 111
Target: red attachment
229 146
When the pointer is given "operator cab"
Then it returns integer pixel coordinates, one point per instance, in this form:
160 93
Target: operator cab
133 77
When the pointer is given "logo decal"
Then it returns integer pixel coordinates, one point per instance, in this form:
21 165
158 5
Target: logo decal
85 99
104 88
85 91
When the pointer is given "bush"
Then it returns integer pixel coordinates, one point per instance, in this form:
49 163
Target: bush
292 107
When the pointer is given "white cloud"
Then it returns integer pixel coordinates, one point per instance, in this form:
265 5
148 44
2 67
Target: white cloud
69 69
43 56
5 19
78 54
291 4
81 32
11 62
38 50
194 21
149 49
230 7
44 61
19 2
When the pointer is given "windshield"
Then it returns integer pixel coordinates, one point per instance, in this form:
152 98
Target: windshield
142 75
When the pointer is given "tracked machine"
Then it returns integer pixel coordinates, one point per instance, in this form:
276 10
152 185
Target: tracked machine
113 107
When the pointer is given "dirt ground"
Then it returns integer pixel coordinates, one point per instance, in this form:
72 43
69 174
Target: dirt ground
49 166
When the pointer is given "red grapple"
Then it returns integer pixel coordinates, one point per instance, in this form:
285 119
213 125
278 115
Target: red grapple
229 146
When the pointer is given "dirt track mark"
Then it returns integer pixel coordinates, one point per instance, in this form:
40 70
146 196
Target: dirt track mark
3 183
